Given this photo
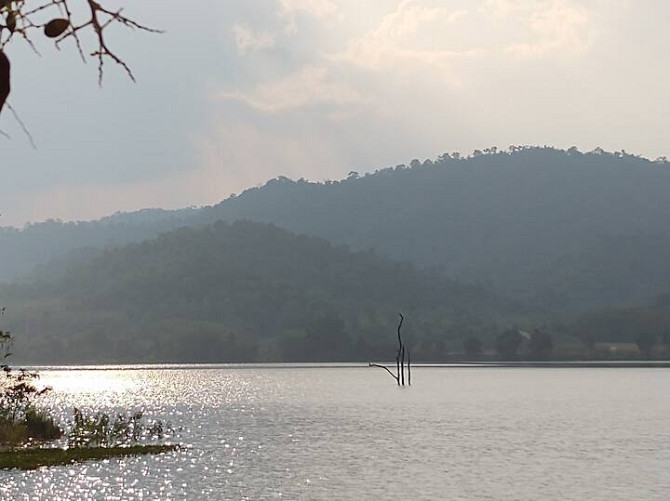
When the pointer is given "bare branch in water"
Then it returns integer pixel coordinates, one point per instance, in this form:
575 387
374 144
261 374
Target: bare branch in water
385 368
399 376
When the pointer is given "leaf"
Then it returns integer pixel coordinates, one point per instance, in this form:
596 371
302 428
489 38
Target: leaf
56 27
10 21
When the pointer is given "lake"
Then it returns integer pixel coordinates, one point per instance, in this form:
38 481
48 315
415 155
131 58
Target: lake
350 433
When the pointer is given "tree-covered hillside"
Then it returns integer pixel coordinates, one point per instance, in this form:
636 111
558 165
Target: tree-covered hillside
647 323
243 292
21 250
561 229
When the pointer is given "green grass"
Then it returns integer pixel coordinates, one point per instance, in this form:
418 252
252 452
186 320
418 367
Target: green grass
30 459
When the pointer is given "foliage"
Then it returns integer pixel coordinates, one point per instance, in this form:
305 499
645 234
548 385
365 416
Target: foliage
17 389
507 344
473 346
540 344
246 292
20 420
646 342
325 339
18 394
100 430
229 293
40 425
588 339
643 325
564 230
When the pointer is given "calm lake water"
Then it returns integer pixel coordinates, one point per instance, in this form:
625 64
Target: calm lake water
350 433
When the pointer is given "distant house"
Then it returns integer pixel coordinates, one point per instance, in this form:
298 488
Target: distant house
618 348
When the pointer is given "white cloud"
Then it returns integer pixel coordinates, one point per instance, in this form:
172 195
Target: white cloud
308 86
75 202
235 157
232 158
250 41
316 8
517 28
395 43
556 26
531 71
319 9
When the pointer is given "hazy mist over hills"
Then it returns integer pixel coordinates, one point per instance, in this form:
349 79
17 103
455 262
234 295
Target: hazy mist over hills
243 292
560 229
260 249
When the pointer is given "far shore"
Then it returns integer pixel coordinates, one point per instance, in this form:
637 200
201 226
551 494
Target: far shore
461 364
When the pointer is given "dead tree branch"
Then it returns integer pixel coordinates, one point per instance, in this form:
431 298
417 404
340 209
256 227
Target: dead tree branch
409 369
59 22
370 364
399 376
22 125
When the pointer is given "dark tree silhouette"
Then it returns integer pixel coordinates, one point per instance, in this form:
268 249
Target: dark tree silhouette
57 20
507 343
645 342
4 79
589 341
540 344
473 346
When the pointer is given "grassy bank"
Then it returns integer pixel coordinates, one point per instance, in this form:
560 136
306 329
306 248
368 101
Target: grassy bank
30 459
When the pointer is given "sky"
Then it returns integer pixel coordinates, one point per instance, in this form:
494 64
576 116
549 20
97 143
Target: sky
234 93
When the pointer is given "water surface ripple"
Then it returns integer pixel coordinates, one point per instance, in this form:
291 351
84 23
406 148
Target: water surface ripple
350 433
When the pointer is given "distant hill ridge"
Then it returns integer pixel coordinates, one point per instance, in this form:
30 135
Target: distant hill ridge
242 292
564 229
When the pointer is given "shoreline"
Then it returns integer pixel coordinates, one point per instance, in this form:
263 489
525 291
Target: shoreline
586 364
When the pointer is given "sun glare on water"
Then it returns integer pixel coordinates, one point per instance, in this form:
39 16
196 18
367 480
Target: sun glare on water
85 381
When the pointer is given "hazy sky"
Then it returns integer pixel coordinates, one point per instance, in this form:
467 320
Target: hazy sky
236 92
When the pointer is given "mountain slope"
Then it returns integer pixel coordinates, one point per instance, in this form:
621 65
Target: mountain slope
562 229
243 292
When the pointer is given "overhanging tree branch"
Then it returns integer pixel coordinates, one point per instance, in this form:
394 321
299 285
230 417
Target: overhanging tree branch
57 21
4 79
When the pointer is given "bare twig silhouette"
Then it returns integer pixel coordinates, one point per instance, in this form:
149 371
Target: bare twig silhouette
57 20
399 376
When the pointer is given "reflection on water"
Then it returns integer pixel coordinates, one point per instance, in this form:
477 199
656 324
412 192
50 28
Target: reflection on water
88 382
351 434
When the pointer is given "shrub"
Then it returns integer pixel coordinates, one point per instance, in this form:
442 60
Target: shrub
12 433
41 426
20 420
100 431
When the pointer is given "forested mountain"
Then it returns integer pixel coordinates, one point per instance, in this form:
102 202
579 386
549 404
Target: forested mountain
243 292
561 229
21 250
